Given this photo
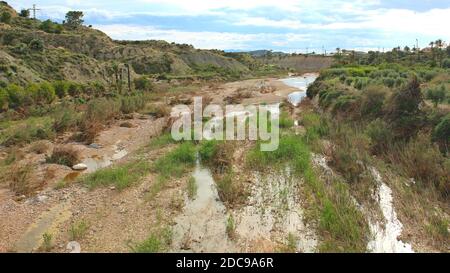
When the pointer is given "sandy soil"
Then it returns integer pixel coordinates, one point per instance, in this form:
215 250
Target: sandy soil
117 220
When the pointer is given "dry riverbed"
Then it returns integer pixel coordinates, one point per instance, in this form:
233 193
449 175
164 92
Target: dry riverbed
106 219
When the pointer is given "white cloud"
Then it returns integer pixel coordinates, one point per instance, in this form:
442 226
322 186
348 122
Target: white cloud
264 22
434 22
202 39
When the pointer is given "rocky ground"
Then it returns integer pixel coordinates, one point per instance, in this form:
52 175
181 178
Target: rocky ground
113 220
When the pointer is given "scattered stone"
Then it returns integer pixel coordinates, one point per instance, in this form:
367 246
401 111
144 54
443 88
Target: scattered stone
21 198
112 188
74 247
80 167
41 198
94 146
127 125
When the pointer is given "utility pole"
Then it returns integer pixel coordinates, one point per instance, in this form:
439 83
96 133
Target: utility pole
34 9
129 77
418 49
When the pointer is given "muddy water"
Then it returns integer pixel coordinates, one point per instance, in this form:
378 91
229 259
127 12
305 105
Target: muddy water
386 238
300 83
240 116
202 225
98 162
273 212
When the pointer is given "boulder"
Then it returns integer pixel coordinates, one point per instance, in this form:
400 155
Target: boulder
80 167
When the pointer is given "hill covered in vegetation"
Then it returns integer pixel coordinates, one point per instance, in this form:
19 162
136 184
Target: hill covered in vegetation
35 51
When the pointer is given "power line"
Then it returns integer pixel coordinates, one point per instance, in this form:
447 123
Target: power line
34 9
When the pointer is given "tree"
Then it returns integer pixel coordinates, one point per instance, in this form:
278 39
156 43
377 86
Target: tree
74 19
50 27
5 17
24 13
446 63
436 95
403 110
441 132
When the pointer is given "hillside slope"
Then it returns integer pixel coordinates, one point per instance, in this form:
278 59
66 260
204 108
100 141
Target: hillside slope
28 53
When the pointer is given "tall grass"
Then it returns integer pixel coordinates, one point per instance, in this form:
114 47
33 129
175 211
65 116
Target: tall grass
175 163
292 150
120 176
172 165
158 241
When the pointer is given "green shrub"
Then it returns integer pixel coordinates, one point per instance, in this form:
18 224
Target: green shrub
347 105
349 155
25 13
36 45
78 230
61 88
4 100
28 132
436 95
422 160
446 63
102 110
403 110
131 104
341 223
286 121
176 162
316 126
231 227
441 132
47 241
217 154
98 89
51 27
65 118
74 89
380 136
372 102
18 97
67 156
192 188
43 93
143 84
157 242
208 150
5 17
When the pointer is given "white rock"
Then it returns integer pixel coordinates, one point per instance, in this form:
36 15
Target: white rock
80 167
74 247
41 198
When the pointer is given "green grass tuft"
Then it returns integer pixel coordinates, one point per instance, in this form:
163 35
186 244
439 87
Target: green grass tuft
121 176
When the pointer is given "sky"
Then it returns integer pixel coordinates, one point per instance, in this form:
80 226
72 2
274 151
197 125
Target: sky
279 25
